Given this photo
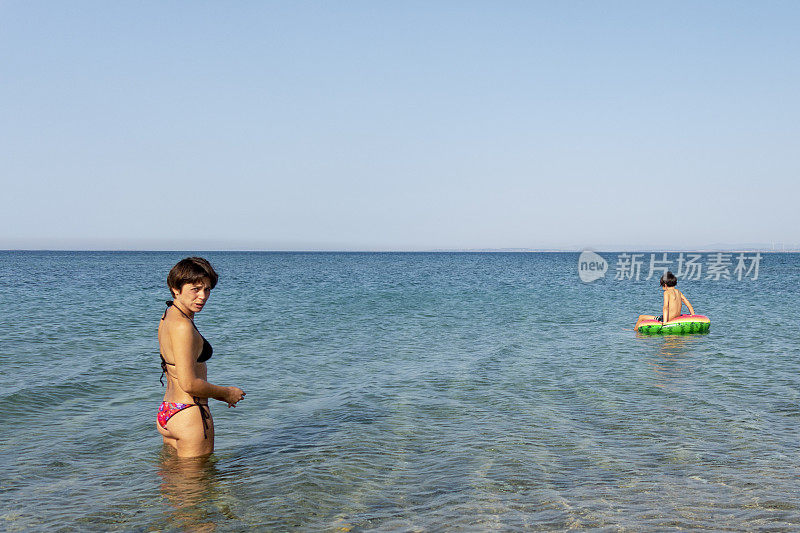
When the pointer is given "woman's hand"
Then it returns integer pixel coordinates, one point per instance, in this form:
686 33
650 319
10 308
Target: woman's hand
233 395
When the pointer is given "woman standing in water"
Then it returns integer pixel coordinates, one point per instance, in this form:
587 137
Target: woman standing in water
184 352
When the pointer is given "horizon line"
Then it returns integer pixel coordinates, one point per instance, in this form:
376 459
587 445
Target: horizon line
433 250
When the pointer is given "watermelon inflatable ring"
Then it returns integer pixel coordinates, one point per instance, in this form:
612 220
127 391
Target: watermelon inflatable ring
677 326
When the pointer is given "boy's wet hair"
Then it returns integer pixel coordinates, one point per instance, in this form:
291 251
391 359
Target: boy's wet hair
191 270
669 279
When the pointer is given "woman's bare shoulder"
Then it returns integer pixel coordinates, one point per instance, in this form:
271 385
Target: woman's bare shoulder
177 327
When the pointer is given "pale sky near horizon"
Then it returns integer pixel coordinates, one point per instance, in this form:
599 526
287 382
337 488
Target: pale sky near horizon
398 125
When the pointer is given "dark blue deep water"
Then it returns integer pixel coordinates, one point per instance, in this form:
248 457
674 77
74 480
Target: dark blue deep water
410 392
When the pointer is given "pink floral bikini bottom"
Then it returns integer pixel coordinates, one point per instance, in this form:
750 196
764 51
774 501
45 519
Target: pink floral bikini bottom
169 409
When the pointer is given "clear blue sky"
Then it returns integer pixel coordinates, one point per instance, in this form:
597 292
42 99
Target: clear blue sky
398 125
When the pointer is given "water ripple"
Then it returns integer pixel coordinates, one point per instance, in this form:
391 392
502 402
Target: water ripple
413 392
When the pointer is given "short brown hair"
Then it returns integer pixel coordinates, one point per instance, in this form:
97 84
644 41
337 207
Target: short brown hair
191 270
669 279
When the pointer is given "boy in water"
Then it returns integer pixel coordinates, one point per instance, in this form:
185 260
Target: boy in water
673 301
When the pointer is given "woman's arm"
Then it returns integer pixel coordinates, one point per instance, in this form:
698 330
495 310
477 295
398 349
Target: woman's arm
684 300
185 353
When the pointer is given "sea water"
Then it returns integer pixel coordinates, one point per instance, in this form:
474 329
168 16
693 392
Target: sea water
399 391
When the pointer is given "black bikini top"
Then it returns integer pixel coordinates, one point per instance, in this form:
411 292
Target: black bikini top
205 353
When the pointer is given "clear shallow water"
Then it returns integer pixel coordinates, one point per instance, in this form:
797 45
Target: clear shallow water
399 392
